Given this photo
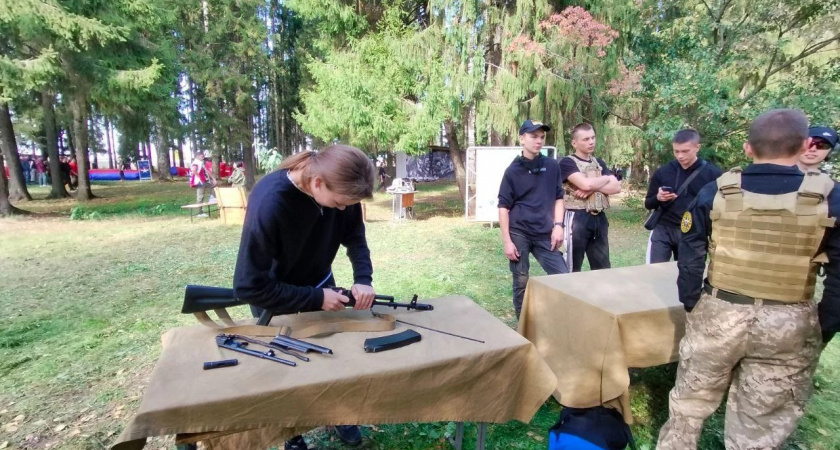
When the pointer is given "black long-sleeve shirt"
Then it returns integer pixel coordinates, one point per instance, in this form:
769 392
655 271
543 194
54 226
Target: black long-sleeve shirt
673 175
529 190
289 243
769 179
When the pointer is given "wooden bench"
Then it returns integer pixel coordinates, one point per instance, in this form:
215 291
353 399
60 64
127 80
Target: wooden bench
193 207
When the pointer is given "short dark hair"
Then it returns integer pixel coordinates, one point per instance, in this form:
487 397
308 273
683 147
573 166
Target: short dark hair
583 126
778 133
687 135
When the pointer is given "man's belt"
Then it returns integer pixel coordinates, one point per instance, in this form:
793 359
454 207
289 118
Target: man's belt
739 299
584 210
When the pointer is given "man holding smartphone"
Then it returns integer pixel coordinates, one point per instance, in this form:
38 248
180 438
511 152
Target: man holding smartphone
666 191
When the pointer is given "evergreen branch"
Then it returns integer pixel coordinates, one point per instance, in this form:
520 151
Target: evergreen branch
628 120
806 52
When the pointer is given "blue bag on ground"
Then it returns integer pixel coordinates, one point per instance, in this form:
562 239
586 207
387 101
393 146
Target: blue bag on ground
597 428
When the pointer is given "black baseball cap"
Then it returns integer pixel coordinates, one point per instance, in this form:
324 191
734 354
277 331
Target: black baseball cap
530 126
825 133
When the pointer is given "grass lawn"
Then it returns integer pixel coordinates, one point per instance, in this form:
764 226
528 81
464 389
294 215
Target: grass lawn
84 302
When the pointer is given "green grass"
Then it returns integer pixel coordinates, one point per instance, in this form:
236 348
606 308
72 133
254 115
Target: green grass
83 304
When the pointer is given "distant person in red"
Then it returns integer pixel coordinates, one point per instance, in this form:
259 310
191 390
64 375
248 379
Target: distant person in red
200 176
74 173
41 169
225 169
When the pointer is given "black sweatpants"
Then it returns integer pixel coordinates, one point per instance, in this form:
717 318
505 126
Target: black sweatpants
588 237
664 242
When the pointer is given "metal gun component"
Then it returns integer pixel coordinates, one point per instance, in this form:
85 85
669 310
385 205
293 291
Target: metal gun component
298 345
230 343
389 304
217 364
284 350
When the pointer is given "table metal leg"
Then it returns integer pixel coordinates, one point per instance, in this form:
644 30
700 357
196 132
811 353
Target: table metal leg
459 436
481 440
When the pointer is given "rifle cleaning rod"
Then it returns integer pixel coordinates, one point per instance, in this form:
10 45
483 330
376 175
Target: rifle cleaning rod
439 331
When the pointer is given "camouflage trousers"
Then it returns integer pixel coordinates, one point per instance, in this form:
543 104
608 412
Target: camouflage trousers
766 357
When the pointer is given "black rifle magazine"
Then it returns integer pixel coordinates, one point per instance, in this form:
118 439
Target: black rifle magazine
380 344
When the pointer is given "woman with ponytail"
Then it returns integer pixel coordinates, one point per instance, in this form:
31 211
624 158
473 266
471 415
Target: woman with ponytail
297 218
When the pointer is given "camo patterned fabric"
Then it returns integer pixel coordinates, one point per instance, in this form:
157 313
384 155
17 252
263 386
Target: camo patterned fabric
764 354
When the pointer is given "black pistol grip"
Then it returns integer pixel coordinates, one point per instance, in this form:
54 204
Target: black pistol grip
347 293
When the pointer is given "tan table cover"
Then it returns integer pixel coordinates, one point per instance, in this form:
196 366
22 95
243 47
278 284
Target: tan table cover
440 378
590 327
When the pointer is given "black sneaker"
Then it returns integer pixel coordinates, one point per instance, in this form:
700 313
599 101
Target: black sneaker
296 443
349 434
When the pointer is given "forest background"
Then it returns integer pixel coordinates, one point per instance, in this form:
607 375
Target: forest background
235 77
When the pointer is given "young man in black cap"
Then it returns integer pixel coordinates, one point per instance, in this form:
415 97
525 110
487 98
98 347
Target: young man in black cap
665 185
823 140
531 210
588 184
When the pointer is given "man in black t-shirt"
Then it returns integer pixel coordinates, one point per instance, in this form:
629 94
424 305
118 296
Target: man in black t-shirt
662 193
531 211
588 184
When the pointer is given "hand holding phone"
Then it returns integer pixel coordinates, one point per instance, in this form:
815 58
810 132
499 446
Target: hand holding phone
666 194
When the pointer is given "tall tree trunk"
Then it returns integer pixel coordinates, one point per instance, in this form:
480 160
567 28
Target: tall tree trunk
57 189
149 154
181 152
111 159
71 141
638 177
248 152
494 61
6 207
78 106
193 121
8 144
457 156
279 130
470 126
162 147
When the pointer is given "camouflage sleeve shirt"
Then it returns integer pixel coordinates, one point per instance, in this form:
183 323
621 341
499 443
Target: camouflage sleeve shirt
768 179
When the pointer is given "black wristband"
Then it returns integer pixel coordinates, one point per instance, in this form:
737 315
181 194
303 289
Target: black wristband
561 224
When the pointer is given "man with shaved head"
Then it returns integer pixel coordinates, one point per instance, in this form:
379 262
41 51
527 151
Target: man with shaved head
753 327
672 188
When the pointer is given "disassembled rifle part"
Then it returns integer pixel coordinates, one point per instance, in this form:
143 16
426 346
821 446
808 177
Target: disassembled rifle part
223 363
229 342
271 345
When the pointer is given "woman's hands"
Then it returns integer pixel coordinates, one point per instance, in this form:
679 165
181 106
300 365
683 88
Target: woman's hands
334 301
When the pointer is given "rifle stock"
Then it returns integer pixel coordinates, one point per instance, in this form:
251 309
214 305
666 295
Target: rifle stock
199 298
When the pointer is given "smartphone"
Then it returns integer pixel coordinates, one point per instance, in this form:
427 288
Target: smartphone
667 189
